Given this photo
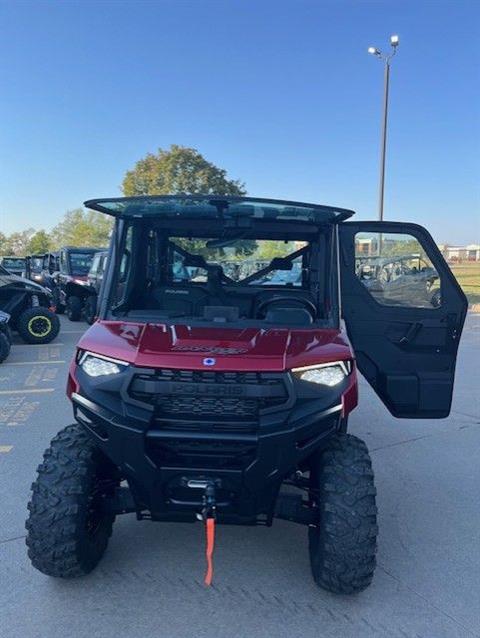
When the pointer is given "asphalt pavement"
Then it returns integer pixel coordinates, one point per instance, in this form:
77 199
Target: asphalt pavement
427 584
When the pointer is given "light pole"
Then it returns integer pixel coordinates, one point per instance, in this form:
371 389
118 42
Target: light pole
394 42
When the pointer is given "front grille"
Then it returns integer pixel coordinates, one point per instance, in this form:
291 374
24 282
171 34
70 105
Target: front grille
208 400
202 406
207 376
193 453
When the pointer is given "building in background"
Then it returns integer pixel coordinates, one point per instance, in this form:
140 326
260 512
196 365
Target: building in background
460 253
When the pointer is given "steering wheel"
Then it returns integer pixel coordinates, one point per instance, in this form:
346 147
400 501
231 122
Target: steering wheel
304 301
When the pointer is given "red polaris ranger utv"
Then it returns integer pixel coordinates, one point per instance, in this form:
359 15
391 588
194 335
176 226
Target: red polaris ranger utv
217 382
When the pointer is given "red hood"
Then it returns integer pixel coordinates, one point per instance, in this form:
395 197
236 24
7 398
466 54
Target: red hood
185 347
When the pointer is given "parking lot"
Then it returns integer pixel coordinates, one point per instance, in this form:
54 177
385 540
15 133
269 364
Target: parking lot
427 582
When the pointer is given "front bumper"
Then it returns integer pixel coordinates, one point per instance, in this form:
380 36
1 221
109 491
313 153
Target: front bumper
164 431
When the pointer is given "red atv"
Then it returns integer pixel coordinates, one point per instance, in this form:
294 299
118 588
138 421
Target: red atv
217 383
71 289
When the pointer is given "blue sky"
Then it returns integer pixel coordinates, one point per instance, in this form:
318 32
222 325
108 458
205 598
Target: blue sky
282 94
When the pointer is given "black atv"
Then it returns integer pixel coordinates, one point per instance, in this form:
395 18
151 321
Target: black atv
30 307
5 336
14 265
71 283
34 268
94 279
49 271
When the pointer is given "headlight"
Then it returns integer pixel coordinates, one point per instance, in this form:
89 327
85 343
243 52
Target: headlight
97 366
329 374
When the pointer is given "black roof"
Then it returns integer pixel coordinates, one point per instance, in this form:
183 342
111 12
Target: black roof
81 249
214 206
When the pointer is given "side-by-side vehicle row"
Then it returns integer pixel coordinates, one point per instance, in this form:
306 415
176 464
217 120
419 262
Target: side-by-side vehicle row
73 275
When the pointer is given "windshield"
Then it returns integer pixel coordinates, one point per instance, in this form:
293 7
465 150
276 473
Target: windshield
80 263
257 273
13 263
36 264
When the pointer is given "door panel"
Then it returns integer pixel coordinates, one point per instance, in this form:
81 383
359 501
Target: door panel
404 312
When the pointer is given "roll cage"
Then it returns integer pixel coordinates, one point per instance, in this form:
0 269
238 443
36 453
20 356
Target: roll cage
277 263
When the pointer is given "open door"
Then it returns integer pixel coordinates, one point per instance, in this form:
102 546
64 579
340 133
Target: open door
404 312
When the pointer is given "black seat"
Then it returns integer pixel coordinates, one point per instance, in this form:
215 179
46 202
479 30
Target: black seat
178 300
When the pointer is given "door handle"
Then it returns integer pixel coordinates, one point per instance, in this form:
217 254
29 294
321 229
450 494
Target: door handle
410 335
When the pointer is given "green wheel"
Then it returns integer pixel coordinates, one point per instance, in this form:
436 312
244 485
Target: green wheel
38 325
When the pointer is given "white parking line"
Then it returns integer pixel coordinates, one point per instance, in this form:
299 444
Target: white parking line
29 363
37 345
32 391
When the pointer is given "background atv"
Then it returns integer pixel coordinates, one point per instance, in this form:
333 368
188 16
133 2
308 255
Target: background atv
14 265
396 279
49 270
95 279
71 281
30 308
34 269
5 336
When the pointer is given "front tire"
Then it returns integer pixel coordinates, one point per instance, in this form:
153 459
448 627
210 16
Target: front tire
38 325
68 527
74 308
343 542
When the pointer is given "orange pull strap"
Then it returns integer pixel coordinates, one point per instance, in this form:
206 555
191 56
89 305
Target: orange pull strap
210 532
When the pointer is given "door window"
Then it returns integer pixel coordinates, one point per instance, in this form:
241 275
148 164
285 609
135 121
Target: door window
396 270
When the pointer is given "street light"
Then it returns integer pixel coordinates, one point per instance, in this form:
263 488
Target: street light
394 42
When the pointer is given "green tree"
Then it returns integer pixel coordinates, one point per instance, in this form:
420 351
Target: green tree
393 247
17 243
40 243
3 244
182 170
82 228
267 250
179 170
